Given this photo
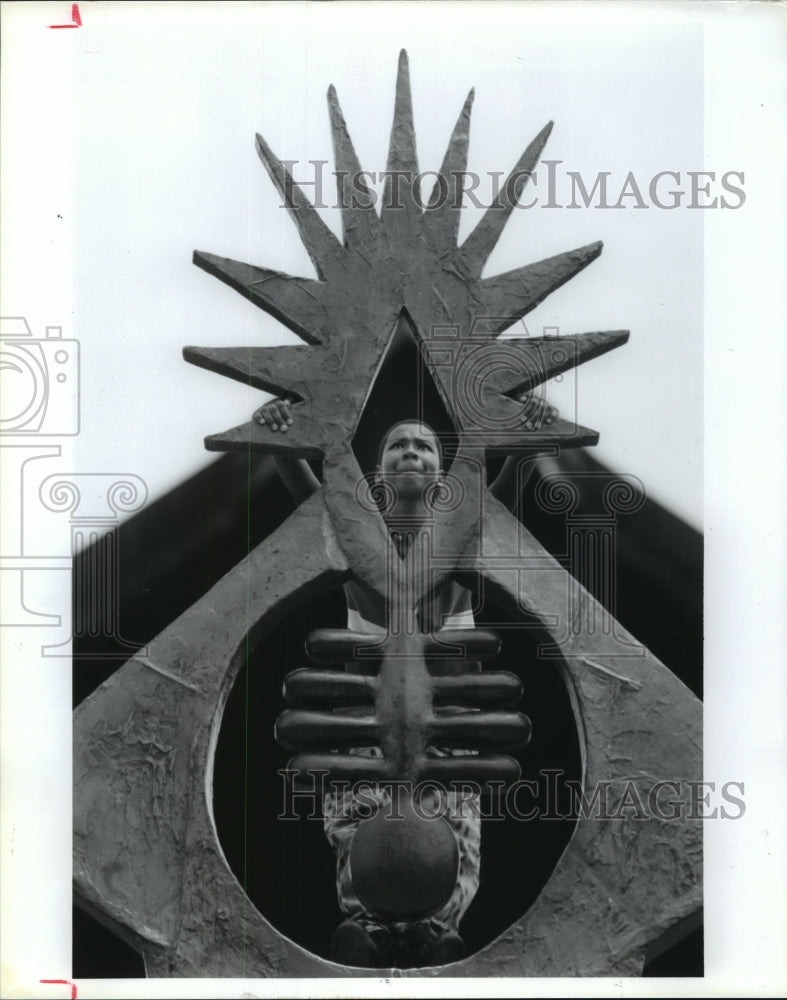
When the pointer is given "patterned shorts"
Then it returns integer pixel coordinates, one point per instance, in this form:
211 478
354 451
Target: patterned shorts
344 813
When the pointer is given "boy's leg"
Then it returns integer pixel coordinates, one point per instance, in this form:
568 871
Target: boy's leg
436 940
463 815
429 942
341 820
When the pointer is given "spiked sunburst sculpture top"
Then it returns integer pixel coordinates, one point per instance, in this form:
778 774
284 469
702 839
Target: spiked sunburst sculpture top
407 258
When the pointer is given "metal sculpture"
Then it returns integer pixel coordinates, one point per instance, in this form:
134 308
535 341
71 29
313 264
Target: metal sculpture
147 860
404 865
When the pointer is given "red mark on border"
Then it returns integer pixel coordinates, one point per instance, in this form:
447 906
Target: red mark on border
76 22
63 982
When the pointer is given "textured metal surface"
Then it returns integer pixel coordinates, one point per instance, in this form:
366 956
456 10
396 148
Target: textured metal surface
148 858
146 853
405 259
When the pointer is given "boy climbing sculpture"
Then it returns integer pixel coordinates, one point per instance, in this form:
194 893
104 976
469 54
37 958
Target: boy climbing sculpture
169 891
404 265
409 472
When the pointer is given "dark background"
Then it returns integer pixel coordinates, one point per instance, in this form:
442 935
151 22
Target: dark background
173 551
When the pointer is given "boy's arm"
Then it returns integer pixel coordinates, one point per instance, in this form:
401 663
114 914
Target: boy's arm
508 485
296 473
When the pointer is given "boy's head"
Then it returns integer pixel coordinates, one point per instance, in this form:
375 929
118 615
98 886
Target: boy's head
410 457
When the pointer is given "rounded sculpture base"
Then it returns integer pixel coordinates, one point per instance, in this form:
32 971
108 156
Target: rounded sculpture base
404 866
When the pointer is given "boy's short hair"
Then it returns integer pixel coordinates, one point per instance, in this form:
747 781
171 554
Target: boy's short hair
409 420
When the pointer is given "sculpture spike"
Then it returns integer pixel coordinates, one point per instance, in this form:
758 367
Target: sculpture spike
298 442
511 295
541 358
560 434
398 199
295 302
480 243
486 375
320 243
441 220
359 219
284 371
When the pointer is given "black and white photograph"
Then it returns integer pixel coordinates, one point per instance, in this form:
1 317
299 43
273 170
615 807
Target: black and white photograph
393 462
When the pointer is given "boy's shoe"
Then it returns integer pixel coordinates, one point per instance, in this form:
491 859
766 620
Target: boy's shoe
419 946
424 945
448 948
352 945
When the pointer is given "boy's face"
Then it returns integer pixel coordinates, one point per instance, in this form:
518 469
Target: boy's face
410 459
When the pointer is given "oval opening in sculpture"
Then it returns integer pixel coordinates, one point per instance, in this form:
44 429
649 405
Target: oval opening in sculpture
274 841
